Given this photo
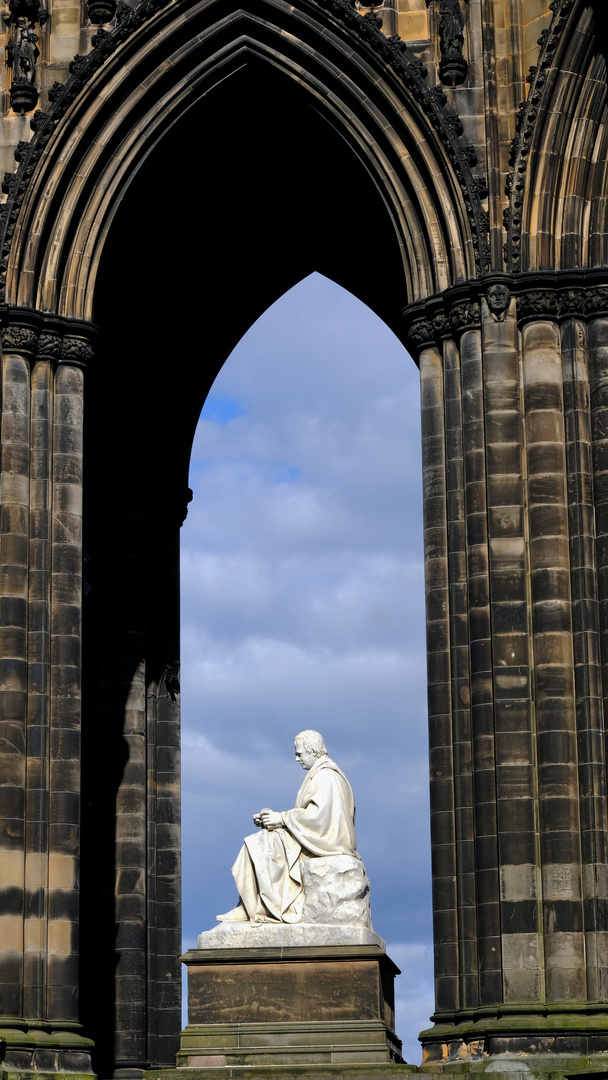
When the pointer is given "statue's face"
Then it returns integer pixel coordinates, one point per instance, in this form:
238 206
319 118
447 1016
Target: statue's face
499 298
305 757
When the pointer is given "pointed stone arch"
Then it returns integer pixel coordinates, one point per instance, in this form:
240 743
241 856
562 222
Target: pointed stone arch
122 99
558 217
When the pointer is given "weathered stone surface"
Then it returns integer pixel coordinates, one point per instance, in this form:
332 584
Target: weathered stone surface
289 935
336 891
283 1005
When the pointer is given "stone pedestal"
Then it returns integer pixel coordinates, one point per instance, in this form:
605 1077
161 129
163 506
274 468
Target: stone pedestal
306 1005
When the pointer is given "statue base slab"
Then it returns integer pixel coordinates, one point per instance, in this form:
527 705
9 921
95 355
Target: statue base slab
236 935
290 1005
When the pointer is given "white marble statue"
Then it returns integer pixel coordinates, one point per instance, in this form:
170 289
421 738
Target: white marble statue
303 864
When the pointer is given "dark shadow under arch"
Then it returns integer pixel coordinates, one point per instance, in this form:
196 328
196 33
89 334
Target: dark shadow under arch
277 194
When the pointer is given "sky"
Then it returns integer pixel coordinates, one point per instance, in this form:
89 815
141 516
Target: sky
303 606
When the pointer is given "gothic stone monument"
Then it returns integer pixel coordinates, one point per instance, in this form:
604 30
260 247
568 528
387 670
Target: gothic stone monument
170 168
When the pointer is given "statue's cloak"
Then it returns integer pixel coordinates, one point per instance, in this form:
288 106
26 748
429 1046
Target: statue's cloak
322 823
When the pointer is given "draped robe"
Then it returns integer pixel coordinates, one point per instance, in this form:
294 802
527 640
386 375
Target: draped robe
267 869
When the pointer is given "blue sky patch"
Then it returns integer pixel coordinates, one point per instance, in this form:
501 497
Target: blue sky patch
221 410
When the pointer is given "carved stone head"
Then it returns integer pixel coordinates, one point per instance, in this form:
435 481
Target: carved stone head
499 298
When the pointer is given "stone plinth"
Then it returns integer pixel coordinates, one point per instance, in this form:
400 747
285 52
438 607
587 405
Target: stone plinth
314 1004
233 935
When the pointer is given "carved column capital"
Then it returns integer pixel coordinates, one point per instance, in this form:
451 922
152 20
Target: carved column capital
596 301
465 316
76 351
21 339
538 304
568 302
421 334
573 304
49 346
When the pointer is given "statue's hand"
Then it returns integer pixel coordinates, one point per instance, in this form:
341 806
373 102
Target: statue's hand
271 819
257 820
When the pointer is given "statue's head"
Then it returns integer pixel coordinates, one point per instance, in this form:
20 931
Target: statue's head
309 747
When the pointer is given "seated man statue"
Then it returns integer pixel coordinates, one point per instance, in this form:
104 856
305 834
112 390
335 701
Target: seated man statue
267 870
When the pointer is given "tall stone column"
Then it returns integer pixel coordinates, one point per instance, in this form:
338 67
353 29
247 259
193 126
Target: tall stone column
445 896
563 959
39 660
65 682
516 798
18 344
515 430
483 750
40 583
579 360
596 640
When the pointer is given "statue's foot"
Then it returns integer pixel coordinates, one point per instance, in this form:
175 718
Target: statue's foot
236 914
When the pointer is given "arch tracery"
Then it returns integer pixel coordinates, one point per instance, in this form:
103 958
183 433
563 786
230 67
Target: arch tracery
396 126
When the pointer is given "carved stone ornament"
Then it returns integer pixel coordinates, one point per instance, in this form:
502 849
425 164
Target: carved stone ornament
49 346
525 125
187 499
596 301
172 685
22 53
499 298
409 69
31 10
541 304
76 351
441 326
421 334
101 11
572 303
18 339
465 317
453 66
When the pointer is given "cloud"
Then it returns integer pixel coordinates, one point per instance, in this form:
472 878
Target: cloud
302 606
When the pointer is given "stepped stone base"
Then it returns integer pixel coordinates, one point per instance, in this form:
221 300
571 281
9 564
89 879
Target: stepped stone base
285 1072
282 1006
34 1050
504 1067
317 1043
535 1066
548 1033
